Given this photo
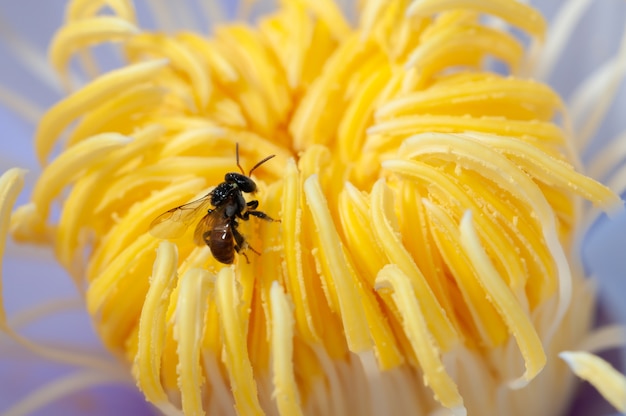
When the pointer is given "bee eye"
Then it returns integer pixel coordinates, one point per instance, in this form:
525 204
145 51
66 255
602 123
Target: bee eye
232 178
246 184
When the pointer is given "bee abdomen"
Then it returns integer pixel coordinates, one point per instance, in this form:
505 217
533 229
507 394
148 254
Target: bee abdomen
220 241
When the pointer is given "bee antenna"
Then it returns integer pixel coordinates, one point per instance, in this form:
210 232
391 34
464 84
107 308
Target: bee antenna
260 163
237 156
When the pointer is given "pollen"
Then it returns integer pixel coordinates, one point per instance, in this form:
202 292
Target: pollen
427 204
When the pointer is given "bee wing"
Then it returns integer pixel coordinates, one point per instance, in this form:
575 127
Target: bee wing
173 223
207 223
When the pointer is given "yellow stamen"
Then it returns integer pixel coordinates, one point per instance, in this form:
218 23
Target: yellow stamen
286 394
193 297
147 366
83 33
385 135
80 9
425 348
498 293
513 12
341 282
236 356
383 221
56 120
11 183
609 382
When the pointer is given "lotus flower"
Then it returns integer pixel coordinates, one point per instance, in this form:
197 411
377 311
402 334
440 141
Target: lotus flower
434 192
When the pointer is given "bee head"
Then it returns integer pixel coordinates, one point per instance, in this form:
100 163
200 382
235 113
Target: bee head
243 182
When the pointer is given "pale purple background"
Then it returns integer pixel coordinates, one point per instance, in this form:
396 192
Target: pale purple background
29 280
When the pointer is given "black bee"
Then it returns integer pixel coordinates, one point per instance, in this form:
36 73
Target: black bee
218 228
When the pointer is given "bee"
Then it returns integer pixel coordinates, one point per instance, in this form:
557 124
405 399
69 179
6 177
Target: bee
218 228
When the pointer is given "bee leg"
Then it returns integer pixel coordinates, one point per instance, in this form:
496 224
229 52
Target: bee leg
252 205
241 245
244 254
248 246
259 214
240 242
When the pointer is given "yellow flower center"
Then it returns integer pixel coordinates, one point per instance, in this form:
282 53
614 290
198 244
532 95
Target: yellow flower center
427 204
